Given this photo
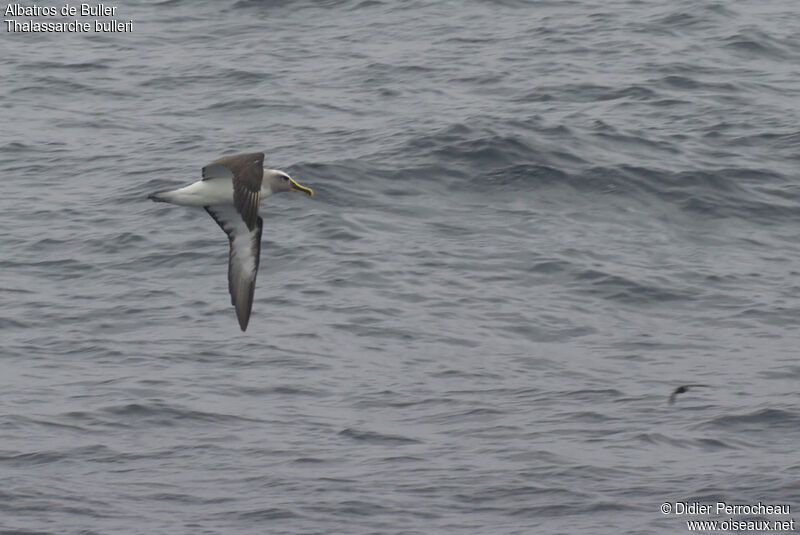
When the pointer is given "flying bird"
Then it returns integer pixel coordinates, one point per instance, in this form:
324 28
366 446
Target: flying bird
680 390
230 191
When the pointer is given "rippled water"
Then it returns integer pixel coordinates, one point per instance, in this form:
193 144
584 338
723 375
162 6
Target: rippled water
532 222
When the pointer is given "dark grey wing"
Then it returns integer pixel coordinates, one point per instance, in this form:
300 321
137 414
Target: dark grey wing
228 166
217 169
247 172
672 397
243 259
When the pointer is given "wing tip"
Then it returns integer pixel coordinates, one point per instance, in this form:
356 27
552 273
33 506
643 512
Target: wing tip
243 317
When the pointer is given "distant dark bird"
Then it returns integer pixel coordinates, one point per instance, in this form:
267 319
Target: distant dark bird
680 390
231 190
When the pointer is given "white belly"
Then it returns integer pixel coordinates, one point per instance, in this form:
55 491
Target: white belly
203 193
215 191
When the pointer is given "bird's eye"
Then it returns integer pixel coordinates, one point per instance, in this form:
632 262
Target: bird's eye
286 178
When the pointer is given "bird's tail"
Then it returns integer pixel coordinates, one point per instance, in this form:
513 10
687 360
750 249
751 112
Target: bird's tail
160 196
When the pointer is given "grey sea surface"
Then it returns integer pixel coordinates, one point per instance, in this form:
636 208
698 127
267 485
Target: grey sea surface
533 221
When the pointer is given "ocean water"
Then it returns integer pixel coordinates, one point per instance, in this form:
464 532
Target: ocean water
533 221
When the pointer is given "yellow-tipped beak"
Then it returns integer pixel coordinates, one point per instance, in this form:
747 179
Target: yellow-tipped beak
302 189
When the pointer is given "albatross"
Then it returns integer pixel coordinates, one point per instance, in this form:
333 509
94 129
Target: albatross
682 390
230 191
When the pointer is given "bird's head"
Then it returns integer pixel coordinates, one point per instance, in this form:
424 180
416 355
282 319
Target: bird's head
279 181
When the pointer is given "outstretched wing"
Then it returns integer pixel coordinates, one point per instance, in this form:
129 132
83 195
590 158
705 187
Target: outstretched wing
245 250
246 171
